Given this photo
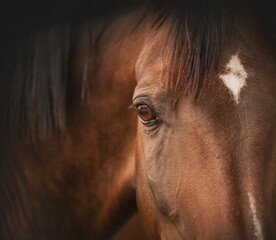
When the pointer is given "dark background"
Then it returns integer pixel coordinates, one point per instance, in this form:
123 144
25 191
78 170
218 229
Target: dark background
18 16
29 14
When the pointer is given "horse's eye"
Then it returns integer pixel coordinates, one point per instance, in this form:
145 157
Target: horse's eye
145 113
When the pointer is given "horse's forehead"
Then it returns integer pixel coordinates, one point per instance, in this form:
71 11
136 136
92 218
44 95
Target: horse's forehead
237 68
151 60
150 65
151 52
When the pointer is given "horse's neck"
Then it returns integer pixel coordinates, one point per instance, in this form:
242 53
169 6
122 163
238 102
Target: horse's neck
104 120
75 185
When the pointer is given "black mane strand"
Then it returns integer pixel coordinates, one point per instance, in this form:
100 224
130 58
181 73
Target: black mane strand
195 40
37 99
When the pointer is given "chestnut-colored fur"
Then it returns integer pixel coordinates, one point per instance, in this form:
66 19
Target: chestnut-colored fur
74 158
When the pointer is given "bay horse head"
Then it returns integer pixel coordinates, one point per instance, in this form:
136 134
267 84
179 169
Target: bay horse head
200 158
206 97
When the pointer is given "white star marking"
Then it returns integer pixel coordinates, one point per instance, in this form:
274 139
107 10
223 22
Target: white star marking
234 77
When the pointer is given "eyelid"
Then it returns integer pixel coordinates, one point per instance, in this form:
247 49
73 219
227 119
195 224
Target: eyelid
142 101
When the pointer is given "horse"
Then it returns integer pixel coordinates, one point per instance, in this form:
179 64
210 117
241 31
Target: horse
195 152
67 172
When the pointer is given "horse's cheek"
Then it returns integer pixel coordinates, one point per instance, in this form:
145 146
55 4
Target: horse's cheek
157 159
145 202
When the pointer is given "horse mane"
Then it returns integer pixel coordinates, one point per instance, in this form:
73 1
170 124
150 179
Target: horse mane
197 35
195 40
36 108
37 99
